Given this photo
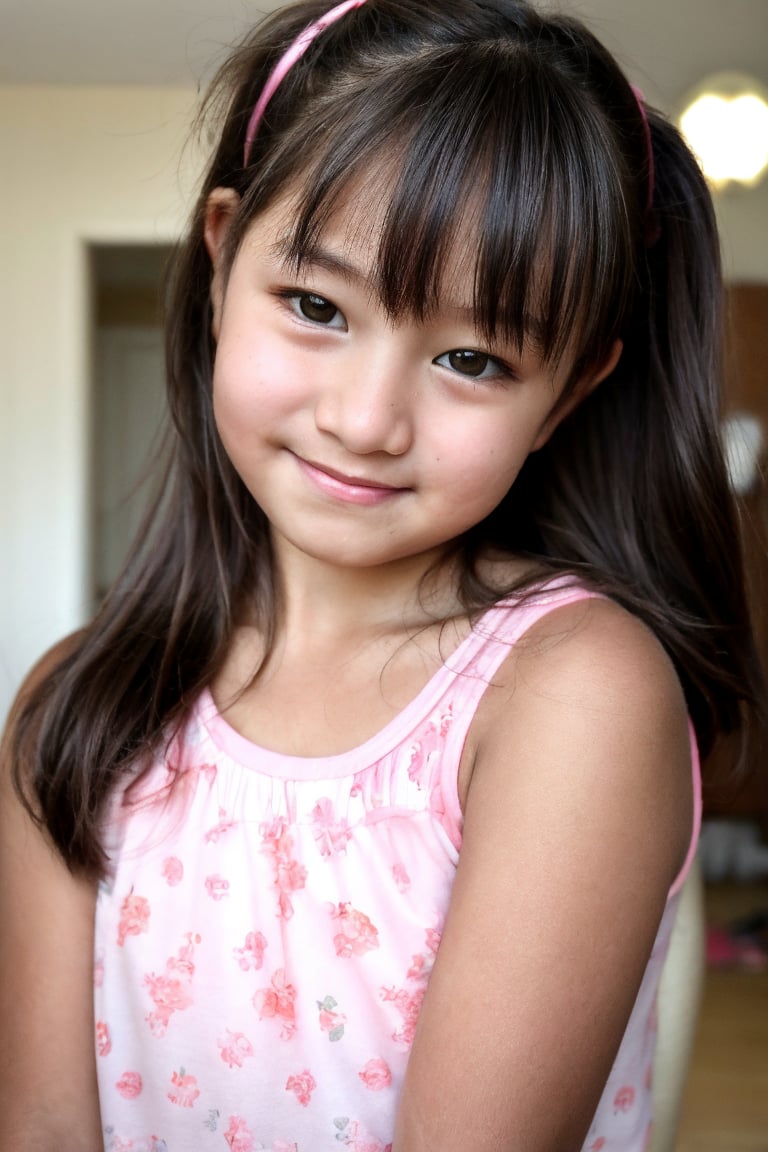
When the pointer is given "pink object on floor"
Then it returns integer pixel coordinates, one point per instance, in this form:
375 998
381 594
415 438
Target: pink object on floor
724 951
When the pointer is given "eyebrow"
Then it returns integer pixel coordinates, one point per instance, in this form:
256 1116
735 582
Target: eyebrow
338 265
324 259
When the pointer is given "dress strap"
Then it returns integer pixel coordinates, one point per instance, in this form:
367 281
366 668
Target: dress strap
479 658
469 672
503 625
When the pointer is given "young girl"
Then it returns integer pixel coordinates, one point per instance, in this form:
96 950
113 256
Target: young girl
380 746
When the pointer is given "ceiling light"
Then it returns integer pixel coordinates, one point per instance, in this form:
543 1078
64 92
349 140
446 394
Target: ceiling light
726 124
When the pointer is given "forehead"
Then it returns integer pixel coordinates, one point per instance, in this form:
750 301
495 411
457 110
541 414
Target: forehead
357 234
352 236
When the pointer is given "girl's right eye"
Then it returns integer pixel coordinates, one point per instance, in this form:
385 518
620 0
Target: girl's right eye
316 309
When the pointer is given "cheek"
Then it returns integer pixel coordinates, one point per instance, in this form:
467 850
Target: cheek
253 381
487 464
234 404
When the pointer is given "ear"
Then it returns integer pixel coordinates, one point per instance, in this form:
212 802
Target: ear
585 386
220 209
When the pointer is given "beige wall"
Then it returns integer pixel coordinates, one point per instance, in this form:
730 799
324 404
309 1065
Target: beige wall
78 165
743 219
82 165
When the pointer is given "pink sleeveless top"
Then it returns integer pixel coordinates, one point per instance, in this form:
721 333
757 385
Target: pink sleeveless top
266 935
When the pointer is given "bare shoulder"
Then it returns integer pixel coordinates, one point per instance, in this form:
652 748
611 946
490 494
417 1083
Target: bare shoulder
577 818
596 654
591 698
591 653
47 1064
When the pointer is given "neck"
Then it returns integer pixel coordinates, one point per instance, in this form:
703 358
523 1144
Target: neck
333 622
321 601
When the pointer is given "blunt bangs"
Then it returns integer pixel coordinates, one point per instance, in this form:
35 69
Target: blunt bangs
469 153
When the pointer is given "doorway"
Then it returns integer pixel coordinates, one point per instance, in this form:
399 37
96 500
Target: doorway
128 396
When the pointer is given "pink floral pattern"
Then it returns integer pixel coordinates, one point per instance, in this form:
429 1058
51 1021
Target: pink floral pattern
223 825
407 1000
288 875
238 1135
423 962
134 917
251 955
303 1086
427 746
624 1098
407 1004
185 1090
351 1134
171 991
103 1040
216 887
173 871
129 1085
376 1075
331 834
278 1002
356 934
235 1047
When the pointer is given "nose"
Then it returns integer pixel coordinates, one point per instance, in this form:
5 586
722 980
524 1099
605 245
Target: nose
367 402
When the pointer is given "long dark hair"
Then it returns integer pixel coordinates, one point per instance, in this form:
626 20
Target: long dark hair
479 110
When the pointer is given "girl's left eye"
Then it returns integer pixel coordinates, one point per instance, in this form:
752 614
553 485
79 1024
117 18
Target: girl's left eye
476 365
316 309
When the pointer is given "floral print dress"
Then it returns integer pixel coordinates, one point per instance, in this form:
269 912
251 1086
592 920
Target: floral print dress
267 930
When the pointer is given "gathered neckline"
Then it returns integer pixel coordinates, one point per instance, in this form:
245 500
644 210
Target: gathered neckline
251 754
488 626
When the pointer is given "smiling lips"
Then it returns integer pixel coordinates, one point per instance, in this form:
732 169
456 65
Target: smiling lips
349 489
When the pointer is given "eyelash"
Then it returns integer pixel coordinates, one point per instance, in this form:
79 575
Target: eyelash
293 299
501 372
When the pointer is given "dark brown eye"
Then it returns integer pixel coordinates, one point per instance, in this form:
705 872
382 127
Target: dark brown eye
475 365
467 362
317 308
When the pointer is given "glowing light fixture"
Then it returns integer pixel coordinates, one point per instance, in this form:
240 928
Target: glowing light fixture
726 125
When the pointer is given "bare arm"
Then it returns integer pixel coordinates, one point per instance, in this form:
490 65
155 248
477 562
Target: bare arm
48 1094
577 820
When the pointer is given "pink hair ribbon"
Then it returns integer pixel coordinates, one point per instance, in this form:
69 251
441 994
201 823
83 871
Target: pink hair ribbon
287 61
651 227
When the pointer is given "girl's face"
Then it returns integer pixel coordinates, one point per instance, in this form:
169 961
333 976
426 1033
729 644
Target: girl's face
364 441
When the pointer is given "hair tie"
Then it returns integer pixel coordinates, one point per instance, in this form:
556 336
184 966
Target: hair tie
652 229
287 61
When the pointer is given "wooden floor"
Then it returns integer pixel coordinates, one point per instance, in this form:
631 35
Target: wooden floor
726 1103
